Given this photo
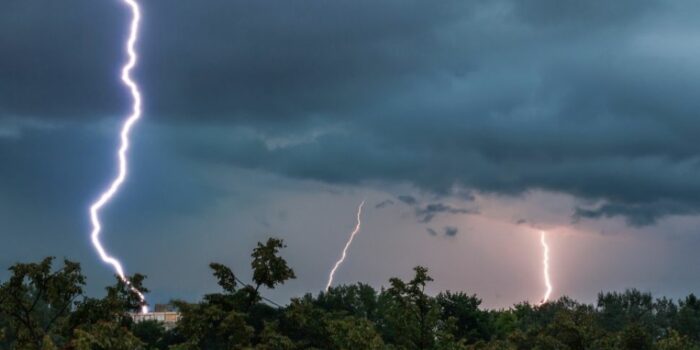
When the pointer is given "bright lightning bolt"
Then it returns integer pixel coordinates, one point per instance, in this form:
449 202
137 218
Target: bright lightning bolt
347 245
545 266
124 136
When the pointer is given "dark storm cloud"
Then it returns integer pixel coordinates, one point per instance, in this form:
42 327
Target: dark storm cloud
59 59
55 173
593 99
384 203
451 231
428 213
227 60
635 215
406 199
578 13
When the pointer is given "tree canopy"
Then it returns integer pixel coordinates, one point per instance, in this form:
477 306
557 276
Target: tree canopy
43 306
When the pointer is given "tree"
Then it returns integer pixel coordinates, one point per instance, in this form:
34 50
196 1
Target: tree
471 324
209 325
358 300
305 323
151 333
619 309
665 313
411 315
351 333
688 319
236 319
269 269
271 339
43 308
227 280
675 341
504 322
636 337
105 335
37 301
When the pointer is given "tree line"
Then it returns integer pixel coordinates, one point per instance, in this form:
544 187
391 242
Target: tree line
43 306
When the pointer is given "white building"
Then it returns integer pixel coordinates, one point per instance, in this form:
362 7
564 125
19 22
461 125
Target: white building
162 314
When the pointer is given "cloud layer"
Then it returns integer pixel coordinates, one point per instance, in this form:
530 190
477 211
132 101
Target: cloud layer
592 99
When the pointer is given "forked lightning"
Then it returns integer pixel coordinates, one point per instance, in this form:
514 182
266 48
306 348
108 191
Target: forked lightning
545 268
135 115
347 245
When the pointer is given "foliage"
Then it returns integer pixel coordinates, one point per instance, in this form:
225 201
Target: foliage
44 307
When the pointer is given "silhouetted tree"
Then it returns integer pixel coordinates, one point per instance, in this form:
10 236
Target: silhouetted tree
43 307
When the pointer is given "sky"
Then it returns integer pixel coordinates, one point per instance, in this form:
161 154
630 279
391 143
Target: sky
468 126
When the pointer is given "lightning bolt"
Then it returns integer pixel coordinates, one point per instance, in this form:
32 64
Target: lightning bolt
347 245
135 115
545 267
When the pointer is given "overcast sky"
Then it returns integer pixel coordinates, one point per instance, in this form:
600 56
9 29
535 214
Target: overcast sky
467 125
